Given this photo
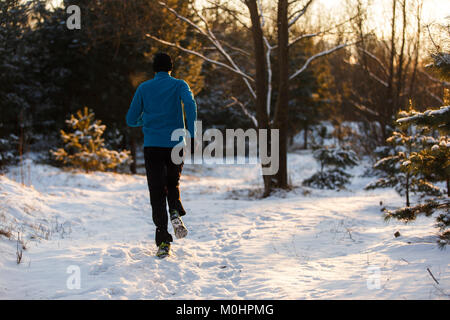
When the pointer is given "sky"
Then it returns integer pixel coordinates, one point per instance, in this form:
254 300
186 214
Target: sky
379 11
433 10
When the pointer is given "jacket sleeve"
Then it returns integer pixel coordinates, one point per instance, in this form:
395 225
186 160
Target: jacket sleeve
135 113
190 107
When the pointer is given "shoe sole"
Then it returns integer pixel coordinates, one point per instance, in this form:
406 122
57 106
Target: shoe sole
179 228
162 254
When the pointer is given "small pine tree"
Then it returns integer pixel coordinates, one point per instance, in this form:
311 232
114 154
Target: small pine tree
395 168
333 161
432 161
84 148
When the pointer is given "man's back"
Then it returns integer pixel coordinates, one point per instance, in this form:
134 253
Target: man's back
157 107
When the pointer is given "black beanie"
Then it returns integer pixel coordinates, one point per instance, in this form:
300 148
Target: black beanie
162 62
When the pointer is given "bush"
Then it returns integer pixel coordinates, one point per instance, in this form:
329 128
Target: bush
333 162
84 147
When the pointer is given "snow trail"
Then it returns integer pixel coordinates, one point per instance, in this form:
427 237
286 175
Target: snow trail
322 245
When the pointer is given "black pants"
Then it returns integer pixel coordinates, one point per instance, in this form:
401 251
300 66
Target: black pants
163 178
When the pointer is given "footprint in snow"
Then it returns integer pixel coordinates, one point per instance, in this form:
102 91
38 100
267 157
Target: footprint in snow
116 253
208 264
246 234
116 291
266 218
99 269
242 293
140 253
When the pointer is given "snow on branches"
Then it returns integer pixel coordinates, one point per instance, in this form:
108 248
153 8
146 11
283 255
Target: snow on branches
421 159
84 147
333 161
440 118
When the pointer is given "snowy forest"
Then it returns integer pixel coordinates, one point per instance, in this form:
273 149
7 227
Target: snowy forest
358 92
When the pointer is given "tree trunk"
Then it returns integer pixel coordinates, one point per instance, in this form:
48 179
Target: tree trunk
384 133
408 204
398 101
133 167
448 187
390 103
416 49
281 110
305 137
260 79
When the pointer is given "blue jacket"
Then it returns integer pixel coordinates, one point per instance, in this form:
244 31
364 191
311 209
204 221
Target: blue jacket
156 106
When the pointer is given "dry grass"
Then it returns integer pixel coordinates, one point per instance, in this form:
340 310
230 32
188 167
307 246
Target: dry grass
20 248
5 233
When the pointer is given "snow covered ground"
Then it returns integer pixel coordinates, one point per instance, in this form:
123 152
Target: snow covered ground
302 244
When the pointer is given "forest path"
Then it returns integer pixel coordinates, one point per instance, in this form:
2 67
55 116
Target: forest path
289 246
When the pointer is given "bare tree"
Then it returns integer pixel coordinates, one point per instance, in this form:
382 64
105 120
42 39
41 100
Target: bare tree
259 83
392 66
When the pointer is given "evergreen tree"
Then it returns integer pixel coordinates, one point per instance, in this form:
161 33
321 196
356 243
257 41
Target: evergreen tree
396 169
333 162
16 87
432 161
84 147
52 69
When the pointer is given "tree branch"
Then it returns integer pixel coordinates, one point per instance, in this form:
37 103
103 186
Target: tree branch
233 13
269 75
318 55
171 44
374 57
297 14
310 35
431 94
212 38
303 36
363 108
442 82
373 76
244 109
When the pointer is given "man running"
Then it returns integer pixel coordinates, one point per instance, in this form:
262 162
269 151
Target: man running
156 106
